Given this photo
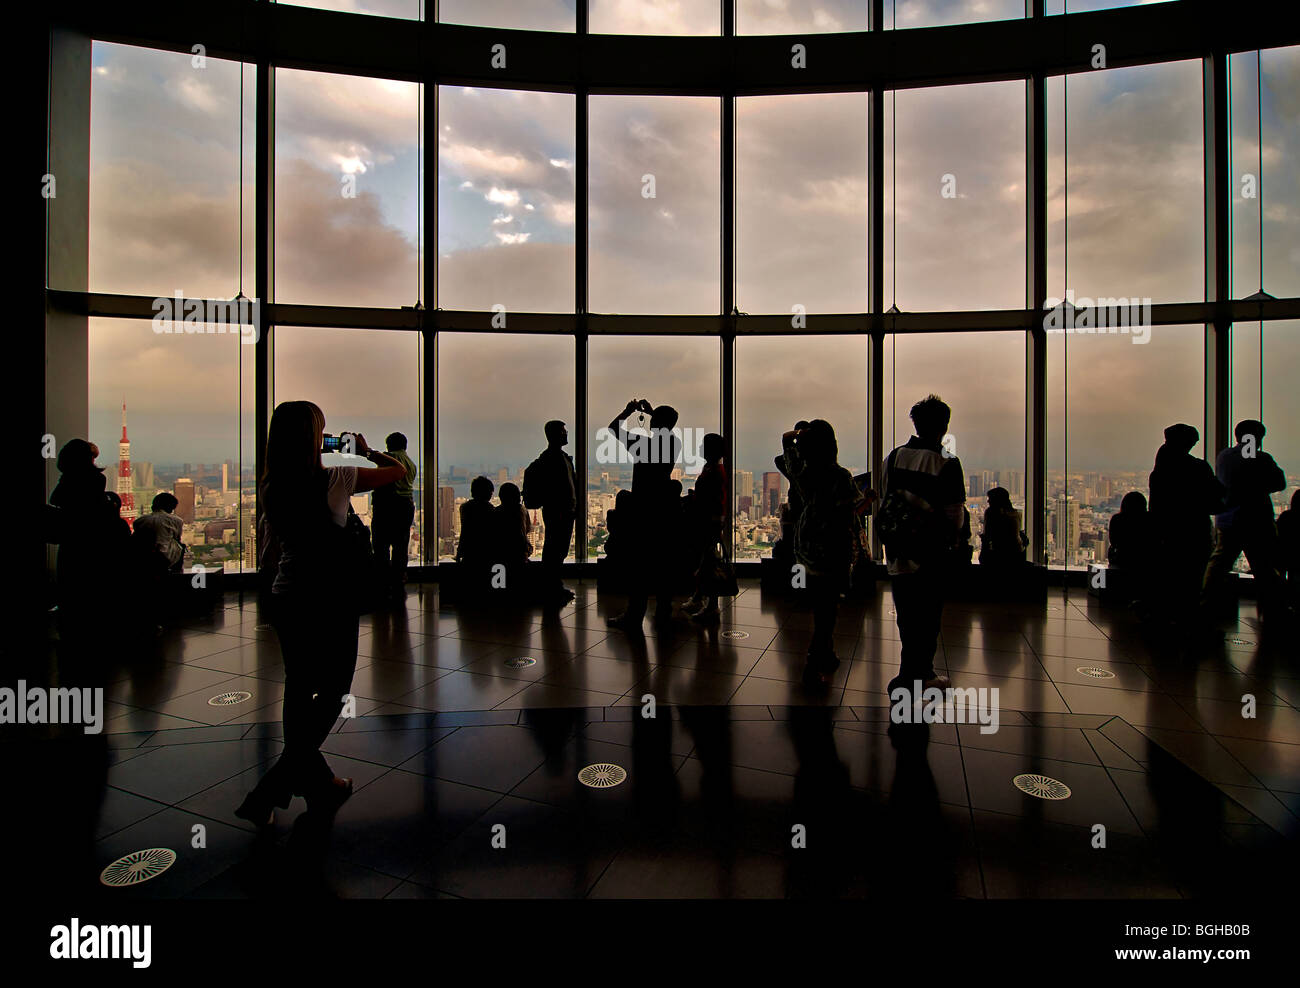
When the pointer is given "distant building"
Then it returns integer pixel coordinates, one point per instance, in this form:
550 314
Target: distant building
446 511
184 492
1065 527
771 501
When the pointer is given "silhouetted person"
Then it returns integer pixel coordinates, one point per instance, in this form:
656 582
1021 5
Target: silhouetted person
1288 532
550 484
314 610
1246 523
157 536
924 496
653 506
1131 552
615 525
392 509
706 512
157 550
474 548
510 530
788 513
1002 542
89 533
1184 494
825 537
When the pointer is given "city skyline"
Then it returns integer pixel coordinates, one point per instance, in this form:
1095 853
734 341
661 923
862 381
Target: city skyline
165 213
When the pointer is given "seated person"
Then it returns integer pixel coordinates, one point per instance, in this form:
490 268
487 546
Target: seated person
511 526
1002 543
1288 531
474 547
157 537
1130 549
614 526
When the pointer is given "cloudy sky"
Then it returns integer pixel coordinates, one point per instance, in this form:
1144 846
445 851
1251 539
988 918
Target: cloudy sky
165 215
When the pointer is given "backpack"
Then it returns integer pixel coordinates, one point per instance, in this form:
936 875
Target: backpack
908 530
534 484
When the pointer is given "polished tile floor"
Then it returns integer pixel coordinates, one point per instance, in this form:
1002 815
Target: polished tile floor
454 747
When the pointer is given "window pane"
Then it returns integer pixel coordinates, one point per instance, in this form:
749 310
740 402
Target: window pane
496 392
408 9
935 13
780 380
164 174
1265 176
1265 367
364 380
1126 180
683 371
955 197
801 210
982 378
822 16
347 172
1109 401
655 201
655 16
188 422
505 200
529 15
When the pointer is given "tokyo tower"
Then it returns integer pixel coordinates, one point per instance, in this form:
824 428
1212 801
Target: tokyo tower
124 473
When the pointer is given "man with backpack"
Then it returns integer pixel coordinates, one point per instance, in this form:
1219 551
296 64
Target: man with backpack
919 519
550 484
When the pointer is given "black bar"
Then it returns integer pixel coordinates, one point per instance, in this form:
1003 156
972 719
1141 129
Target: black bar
264 257
581 424
1036 335
303 37
1218 255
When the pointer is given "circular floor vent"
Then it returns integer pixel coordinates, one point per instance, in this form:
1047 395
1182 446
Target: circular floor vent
1095 672
735 635
138 866
230 699
1042 786
602 775
1240 641
520 662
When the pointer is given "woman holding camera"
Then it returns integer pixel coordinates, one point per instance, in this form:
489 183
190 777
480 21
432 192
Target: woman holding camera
313 606
826 539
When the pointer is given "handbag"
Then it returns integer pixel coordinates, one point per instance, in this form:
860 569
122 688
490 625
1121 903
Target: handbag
355 557
718 578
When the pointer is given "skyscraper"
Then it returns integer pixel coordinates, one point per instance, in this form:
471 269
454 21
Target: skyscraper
1065 527
743 485
771 501
446 511
185 495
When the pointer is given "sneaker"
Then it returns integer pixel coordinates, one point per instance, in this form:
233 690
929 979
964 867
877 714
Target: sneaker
932 681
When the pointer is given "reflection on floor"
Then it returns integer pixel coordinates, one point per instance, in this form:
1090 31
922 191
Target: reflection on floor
741 785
